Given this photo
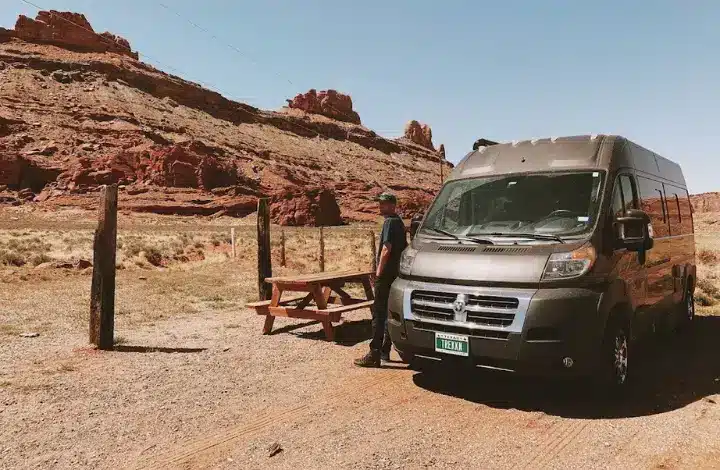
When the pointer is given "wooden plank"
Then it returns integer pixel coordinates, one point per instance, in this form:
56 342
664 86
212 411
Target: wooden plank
264 253
322 250
305 313
373 250
321 277
347 308
102 290
266 303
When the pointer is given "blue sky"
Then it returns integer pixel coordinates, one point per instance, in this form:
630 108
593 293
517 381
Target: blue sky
649 70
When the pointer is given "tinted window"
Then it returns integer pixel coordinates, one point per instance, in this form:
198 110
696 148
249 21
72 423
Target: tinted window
653 203
672 203
678 210
629 192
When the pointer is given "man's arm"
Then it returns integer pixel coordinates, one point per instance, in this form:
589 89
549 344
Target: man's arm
384 257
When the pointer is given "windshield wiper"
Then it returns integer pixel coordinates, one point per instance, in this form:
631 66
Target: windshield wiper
449 234
534 236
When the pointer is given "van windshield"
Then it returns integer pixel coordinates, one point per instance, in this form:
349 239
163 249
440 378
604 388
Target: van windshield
541 205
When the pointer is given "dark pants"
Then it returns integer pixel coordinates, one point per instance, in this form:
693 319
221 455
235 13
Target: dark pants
380 336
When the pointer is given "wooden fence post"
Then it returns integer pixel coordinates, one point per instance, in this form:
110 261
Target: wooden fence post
373 250
264 253
283 262
322 250
102 290
232 240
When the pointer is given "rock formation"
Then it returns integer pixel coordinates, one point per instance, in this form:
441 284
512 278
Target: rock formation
420 134
441 151
71 30
329 103
74 117
305 206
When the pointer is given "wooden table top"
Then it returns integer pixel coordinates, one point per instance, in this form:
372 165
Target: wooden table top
319 277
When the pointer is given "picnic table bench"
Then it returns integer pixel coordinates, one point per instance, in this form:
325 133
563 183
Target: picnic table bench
325 290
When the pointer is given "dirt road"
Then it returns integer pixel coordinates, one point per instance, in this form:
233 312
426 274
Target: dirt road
398 418
193 384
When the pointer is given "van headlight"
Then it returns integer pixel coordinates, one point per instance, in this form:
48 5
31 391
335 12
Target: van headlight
406 260
569 265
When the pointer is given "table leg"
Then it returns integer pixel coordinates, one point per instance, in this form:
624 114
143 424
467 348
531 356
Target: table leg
274 302
321 296
368 288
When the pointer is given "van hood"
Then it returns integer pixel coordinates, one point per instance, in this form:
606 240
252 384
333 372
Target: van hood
481 263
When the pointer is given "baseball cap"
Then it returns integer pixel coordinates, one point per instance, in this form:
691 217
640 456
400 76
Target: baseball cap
387 197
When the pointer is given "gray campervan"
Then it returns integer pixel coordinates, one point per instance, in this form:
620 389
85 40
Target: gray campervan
550 255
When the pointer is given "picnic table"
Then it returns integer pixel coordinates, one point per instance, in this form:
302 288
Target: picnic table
324 290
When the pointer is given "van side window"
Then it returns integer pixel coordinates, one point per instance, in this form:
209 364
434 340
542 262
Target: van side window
653 203
617 201
685 212
679 210
673 208
629 192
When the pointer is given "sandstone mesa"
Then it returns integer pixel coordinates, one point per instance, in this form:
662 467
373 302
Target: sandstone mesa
78 110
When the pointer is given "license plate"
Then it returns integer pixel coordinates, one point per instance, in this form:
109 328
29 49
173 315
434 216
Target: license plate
451 344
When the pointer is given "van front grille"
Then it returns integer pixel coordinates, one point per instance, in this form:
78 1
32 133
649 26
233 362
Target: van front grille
480 309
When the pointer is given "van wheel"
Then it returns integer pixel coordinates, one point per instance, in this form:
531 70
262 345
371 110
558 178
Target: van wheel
616 356
689 306
687 310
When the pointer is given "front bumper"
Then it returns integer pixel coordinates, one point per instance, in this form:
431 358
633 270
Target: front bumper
549 326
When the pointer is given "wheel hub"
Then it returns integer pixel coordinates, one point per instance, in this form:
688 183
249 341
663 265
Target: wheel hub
621 359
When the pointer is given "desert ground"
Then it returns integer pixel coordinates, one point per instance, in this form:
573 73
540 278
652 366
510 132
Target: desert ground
192 383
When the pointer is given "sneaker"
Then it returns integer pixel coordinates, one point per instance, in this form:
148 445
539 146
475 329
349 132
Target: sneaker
368 360
385 357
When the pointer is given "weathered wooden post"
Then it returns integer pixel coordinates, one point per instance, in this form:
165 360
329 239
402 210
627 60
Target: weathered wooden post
264 252
102 290
373 251
322 250
232 240
283 261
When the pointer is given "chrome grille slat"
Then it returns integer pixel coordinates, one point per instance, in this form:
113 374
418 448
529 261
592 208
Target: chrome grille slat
492 311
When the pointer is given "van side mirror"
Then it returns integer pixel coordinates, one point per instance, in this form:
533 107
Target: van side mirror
633 232
415 224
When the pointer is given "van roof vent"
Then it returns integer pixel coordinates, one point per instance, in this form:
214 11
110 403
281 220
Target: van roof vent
456 248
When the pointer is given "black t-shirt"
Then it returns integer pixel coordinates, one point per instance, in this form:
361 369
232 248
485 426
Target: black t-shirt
393 232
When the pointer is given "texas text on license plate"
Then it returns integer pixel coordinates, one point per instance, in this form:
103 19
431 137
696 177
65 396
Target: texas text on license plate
451 344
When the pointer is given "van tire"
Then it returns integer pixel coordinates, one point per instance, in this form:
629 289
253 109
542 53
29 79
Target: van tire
687 310
615 357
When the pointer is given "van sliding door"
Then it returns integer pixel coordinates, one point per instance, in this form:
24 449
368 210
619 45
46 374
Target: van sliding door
659 258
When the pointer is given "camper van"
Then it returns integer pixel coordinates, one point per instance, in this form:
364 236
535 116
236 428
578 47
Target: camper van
549 256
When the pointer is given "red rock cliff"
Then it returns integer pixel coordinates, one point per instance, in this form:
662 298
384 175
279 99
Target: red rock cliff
70 30
421 134
329 103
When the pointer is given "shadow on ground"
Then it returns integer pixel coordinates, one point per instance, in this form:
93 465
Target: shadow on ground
347 333
669 374
154 349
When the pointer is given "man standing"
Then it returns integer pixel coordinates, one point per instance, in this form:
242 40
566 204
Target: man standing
392 244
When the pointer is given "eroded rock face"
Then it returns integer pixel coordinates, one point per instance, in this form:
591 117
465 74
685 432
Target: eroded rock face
187 165
420 134
441 151
706 202
69 29
329 103
296 206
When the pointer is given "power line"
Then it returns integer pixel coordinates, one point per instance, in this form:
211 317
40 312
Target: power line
180 73
241 53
